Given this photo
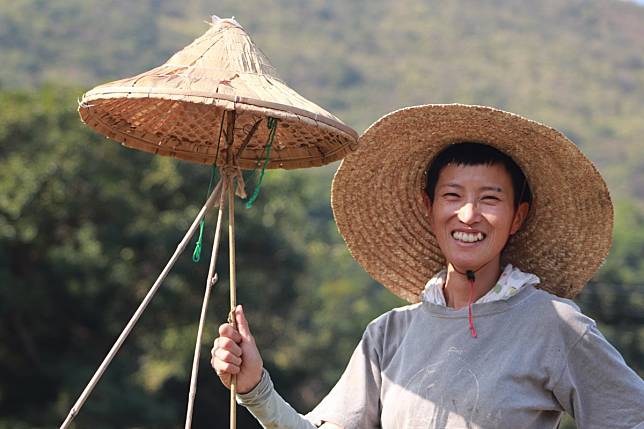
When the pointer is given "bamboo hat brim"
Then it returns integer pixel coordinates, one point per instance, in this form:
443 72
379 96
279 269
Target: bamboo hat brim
378 206
177 109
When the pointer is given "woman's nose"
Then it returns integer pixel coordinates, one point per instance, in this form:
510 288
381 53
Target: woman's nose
468 213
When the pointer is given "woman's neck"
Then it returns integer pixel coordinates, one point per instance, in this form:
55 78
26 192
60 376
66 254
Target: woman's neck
457 286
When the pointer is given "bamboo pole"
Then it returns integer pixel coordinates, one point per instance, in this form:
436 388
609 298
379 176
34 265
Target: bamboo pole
230 139
233 293
139 311
210 281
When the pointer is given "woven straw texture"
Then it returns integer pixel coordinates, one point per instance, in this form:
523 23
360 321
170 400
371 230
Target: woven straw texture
176 109
378 207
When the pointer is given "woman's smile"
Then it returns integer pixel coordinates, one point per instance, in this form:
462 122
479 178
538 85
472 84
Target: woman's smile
468 236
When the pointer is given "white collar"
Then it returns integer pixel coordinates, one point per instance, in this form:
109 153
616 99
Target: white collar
509 283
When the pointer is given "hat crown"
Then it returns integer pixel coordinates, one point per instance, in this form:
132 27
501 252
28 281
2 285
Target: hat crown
225 47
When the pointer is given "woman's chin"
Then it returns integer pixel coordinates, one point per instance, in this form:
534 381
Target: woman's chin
467 264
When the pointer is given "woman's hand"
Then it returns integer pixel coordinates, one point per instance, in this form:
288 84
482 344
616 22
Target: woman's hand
235 352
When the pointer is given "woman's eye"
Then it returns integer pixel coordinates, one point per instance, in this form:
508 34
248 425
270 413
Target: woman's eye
451 195
491 198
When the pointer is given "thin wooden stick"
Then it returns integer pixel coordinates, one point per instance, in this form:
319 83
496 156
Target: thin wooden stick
210 281
230 139
130 325
233 293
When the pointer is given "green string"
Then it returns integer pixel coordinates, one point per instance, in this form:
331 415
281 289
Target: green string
196 255
272 125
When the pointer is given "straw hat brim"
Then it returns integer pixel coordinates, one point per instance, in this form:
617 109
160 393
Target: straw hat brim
186 126
378 206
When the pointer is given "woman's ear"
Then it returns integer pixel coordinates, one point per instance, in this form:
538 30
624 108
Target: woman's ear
428 208
519 217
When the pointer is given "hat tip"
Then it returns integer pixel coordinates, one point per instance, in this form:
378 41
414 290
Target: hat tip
217 20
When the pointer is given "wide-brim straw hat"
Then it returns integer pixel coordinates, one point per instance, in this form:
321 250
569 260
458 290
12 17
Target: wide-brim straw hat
378 205
177 109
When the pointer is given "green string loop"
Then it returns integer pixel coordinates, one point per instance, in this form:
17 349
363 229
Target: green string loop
272 125
196 255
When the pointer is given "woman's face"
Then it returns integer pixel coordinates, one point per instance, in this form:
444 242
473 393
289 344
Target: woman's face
473 215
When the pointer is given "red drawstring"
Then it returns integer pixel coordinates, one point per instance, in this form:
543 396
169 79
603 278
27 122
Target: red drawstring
469 306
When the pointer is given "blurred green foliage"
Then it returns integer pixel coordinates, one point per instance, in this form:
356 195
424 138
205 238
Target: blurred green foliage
85 225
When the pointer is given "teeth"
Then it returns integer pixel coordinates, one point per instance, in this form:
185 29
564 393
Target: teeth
467 237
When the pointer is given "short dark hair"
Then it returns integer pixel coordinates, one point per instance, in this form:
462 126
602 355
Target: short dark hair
472 153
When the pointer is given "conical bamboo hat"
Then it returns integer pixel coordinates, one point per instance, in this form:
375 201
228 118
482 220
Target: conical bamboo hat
177 109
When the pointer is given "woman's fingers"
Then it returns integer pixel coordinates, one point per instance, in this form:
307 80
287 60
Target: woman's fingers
242 331
224 368
242 323
225 363
227 357
227 330
227 344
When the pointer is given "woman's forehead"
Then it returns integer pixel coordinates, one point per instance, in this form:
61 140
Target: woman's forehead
493 176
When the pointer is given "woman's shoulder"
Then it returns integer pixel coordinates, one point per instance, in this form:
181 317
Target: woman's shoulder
558 314
395 321
403 314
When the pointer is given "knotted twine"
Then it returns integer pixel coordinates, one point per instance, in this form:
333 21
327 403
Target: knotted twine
226 171
240 191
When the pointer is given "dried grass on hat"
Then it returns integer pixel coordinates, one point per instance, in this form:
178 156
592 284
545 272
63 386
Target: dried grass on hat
378 205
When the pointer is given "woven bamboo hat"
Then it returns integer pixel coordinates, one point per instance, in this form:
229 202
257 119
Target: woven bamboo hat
177 108
378 206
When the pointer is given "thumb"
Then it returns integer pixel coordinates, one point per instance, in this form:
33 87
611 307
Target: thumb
242 323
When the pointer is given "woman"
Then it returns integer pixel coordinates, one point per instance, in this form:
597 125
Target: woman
507 219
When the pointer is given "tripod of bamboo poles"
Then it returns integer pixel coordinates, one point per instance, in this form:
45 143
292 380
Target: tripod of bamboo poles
228 179
224 187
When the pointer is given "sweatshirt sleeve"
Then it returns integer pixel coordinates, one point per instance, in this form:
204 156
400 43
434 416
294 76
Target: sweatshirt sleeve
354 402
597 388
268 407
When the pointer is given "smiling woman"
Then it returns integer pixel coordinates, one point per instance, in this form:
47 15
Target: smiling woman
510 224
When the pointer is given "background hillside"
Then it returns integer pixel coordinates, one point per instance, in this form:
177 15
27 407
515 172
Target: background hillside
576 65
85 225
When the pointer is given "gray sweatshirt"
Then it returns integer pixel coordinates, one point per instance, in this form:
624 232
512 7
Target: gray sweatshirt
535 357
